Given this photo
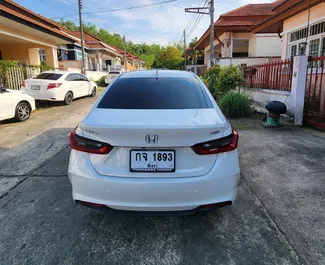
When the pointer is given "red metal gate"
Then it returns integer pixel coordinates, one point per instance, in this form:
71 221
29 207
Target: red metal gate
314 109
275 75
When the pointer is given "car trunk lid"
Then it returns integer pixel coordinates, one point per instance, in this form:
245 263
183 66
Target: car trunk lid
176 130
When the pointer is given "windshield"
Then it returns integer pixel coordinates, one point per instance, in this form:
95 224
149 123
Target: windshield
48 76
152 93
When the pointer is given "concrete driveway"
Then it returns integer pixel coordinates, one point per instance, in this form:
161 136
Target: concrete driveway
278 217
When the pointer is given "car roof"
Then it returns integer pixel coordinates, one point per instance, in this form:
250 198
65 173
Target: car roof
61 72
158 73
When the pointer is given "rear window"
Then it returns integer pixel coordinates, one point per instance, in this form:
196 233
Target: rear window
114 73
152 93
48 76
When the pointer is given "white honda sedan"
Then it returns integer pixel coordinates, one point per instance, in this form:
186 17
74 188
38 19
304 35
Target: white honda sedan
15 104
154 142
59 86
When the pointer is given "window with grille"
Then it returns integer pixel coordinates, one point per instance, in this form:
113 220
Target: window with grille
317 29
42 55
323 48
314 47
298 35
293 50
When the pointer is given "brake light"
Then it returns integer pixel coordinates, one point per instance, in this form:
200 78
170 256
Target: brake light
83 144
23 84
54 85
221 145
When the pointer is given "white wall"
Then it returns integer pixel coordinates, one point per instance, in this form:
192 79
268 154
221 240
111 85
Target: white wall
264 96
267 45
252 47
239 61
95 75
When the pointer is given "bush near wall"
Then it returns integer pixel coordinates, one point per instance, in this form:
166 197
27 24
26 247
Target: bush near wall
222 79
101 82
235 104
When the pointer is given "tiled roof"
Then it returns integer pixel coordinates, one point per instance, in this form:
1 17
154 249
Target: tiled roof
251 10
235 22
280 9
12 8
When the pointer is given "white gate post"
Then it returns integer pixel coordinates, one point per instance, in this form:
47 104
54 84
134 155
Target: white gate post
298 88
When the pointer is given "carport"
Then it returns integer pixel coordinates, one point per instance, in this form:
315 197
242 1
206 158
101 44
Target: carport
27 37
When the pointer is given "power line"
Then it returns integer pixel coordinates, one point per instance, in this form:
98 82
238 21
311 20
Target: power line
196 22
120 9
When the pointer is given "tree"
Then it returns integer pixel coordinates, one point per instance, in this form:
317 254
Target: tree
192 43
148 53
171 58
70 25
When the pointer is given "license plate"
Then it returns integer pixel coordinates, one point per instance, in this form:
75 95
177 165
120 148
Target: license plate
34 87
152 161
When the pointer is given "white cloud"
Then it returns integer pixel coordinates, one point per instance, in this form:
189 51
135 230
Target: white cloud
157 24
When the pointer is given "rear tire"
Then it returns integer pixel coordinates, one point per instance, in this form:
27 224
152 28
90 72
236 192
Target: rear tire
93 92
68 98
22 112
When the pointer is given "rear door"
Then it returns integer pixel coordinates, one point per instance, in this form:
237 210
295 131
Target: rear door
71 84
82 85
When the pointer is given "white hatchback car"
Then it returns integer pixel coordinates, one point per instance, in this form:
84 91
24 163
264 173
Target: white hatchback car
15 104
154 142
59 86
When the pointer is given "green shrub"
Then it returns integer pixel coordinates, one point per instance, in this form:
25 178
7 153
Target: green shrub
230 78
222 79
45 67
235 104
101 82
210 79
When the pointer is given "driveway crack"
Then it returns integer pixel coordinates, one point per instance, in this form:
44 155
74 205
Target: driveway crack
294 252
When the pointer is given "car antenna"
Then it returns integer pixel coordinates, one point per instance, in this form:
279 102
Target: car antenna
157 75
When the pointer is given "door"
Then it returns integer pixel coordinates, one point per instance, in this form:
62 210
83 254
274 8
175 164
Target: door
83 85
72 84
6 106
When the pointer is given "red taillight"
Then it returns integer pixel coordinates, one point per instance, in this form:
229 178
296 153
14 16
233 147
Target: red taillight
23 84
54 85
83 144
221 145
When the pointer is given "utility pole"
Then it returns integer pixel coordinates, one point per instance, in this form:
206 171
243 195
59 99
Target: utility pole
184 50
212 32
203 11
81 37
125 59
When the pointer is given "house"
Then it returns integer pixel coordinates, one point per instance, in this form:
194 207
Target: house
235 44
30 38
27 37
133 61
301 25
99 56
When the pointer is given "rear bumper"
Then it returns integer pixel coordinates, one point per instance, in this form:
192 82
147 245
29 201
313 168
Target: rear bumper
44 95
154 195
154 213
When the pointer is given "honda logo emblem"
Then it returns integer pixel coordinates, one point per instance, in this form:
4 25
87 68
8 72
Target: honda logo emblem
151 138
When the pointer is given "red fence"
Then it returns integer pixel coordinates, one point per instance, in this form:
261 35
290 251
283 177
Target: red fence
314 108
274 75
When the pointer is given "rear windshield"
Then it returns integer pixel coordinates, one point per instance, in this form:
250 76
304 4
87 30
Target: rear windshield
114 73
152 93
48 76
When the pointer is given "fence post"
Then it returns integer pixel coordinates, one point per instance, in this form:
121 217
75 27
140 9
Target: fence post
298 88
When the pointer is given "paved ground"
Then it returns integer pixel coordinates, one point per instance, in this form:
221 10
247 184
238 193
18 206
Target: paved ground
278 217
24 146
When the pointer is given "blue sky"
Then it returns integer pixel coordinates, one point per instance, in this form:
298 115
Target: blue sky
160 24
